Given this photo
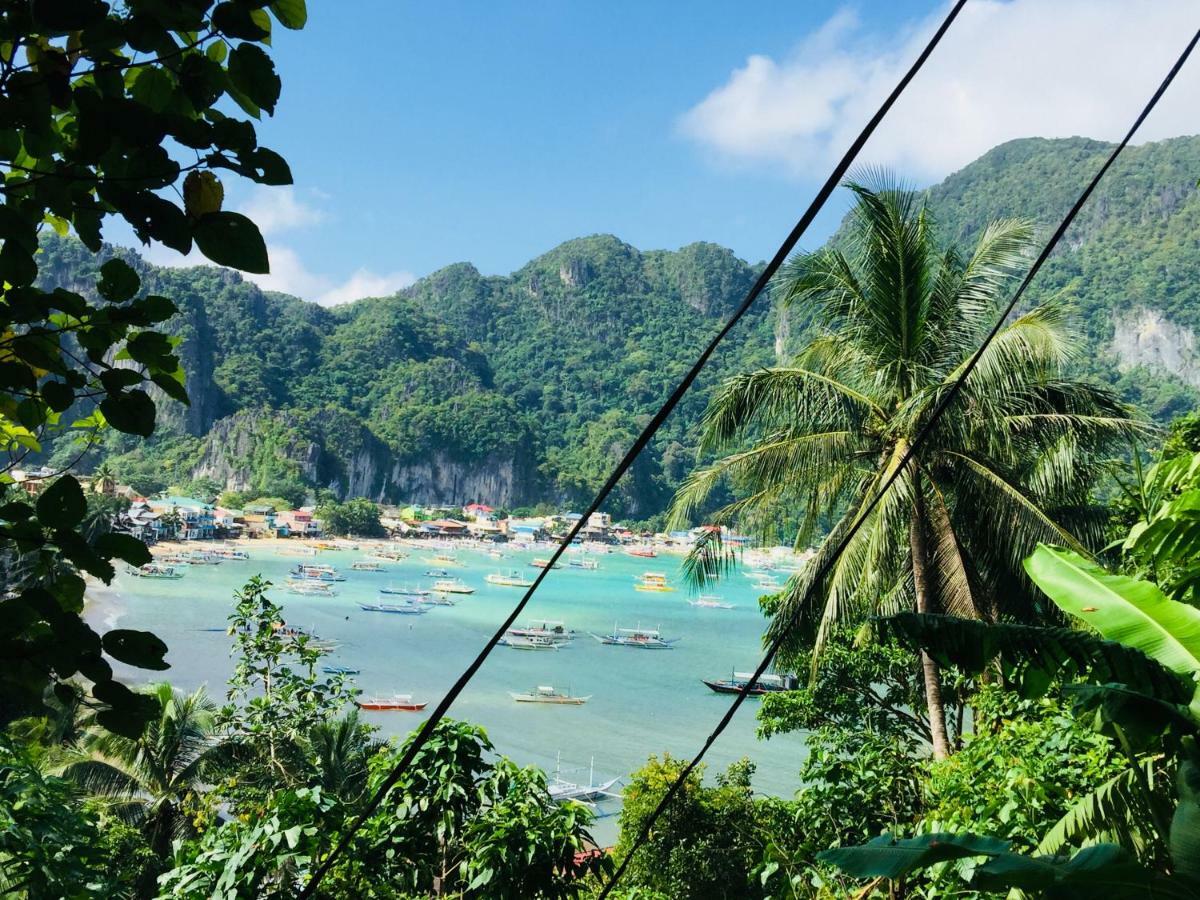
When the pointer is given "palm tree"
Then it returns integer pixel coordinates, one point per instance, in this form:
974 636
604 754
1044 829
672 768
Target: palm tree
893 320
146 780
339 751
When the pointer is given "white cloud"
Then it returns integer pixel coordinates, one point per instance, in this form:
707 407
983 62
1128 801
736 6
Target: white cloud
1006 69
278 209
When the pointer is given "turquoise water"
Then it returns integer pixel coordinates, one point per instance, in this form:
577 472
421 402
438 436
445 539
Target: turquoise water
643 701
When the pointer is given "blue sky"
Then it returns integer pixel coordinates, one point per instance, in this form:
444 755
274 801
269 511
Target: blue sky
422 134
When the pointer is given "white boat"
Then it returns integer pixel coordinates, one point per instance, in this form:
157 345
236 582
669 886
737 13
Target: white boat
366 565
710 601
642 638
582 562
156 570
404 591
511 578
401 609
451 586
311 588
316 572
562 790
545 693
551 629
530 642
229 553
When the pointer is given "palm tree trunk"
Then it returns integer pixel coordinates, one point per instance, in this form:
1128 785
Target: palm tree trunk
929 668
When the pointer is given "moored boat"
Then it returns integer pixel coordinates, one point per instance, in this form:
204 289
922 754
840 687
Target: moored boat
314 572
451 586
311 588
366 565
545 693
766 684
643 552
511 578
529 642
642 638
404 591
401 609
583 563
156 570
543 564
436 573
653 581
553 630
340 670
710 601
397 702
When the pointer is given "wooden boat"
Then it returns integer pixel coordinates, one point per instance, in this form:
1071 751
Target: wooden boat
436 573
444 559
401 609
397 702
583 563
511 578
543 564
317 573
710 601
340 670
451 586
156 570
230 554
544 693
653 581
643 552
366 565
404 591
590 793
311 588
641 638
766 684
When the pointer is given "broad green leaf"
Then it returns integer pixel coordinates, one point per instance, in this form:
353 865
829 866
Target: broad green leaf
62 505
202 193
124 547
118 281
888 857
290 13
136 648
230 239
1123 609
1185 826
253 74
131 412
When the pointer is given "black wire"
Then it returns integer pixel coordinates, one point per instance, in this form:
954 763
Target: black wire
922 435
643 439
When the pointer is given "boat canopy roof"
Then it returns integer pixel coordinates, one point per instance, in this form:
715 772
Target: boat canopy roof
647 632
545 688
765 678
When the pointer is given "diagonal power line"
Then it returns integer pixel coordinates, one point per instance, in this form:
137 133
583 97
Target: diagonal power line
785 249
914 448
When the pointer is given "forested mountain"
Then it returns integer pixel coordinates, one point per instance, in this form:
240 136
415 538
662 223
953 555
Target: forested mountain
527 387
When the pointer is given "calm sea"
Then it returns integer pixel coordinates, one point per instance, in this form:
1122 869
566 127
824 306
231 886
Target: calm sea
643 702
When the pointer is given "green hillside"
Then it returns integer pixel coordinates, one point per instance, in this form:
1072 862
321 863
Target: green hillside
528 387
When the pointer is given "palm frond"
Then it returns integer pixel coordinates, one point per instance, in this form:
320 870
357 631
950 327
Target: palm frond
1116 811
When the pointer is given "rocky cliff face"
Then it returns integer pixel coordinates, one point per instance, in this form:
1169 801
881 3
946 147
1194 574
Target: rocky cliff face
1145 337
356 463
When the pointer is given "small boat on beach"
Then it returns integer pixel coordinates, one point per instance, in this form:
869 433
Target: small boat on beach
545 693
366 565
156 570
340 670
395 703
766 684
511 578
641 638
452 586
401 609
710 601
653 581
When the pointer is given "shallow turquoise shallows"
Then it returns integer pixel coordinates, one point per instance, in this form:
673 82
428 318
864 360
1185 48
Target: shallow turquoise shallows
642 701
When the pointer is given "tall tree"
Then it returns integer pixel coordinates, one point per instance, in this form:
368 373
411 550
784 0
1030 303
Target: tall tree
893 319
146 780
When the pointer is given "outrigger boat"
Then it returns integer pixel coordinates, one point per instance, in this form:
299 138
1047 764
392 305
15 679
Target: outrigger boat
404 591
317 573
644 552
589 793
451 586
543 564
553 630
436 573
403 609
156 570
766 684
642 638
653 581
366 565
583 563
529 642
544 693
311 588
511 578
709 601
397 702
230 554
445 559
340 670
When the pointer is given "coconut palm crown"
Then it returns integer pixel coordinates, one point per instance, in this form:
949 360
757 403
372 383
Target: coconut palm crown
892 320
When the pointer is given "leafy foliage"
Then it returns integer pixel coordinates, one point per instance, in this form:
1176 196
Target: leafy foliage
356 517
